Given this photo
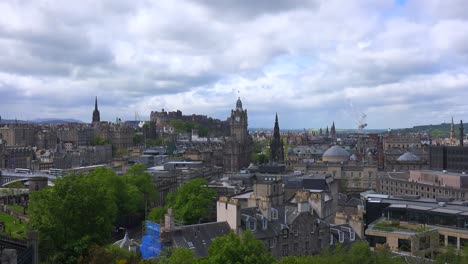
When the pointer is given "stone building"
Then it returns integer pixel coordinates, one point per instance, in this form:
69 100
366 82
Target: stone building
237 147
353 176
424 183
405 162
290 228
20 135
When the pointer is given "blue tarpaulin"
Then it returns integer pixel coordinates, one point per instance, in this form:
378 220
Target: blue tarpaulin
151 244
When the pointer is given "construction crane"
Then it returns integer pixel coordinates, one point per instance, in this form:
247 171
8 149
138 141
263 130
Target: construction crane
362 122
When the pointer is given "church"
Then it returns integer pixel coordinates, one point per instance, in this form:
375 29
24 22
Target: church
238 147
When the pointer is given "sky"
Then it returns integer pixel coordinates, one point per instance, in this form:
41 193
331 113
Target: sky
402 63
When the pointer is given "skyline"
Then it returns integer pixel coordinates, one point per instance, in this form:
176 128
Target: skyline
400 62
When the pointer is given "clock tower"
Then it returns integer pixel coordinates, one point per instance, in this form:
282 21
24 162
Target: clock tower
238 147
238 123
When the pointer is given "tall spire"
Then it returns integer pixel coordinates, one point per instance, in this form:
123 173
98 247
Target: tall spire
462 134
96 115
333 132
276 144
452 133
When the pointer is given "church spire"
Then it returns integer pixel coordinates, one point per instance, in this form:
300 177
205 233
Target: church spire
96 114
276 144
462 135
452 133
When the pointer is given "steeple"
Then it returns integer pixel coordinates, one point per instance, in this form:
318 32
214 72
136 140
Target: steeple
333 132
452 133
462 135
96 115
276 144
327 133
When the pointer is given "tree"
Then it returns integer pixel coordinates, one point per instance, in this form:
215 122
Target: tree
190 202
70 216
82 210
231 249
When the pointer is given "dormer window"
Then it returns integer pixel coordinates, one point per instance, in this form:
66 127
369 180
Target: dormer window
264 223
274 214
252 224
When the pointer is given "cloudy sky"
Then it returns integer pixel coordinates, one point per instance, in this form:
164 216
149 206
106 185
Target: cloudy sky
402 63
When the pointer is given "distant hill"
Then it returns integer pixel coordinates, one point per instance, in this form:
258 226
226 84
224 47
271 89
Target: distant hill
41 121
441 130
55 121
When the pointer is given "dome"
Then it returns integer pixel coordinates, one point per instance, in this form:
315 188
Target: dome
239 104
408 156
335 154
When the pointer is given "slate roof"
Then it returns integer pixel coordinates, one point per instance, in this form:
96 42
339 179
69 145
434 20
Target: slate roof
199 237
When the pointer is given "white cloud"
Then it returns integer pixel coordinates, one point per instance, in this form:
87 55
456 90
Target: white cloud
306 60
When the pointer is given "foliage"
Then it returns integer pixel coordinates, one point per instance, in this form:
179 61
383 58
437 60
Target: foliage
138 139
181 126
98 141
359 253
82 210
232 248
111 254
190 202
259 158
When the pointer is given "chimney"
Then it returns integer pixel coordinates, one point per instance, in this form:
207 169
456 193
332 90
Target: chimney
169 224
228 210
302 198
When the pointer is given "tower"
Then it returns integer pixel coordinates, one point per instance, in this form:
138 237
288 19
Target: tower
238 147
238 122
327 133
276 144
96 115
452 133
333 132
461 133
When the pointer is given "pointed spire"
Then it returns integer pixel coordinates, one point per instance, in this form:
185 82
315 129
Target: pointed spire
462 134
95 104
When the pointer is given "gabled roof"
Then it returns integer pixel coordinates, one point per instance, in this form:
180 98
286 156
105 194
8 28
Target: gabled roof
199 237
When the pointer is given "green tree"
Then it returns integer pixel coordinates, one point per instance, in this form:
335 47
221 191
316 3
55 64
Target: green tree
70 216
233 249
190 202
81 210
97 141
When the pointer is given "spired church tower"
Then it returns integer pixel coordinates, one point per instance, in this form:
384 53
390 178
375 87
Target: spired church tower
238 147
276 145
462 134
452 133
96 115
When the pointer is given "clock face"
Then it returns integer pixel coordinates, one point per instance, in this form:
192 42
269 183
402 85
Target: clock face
237 118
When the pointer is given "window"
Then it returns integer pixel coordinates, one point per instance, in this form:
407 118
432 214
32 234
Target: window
307 245
404 245
296 247
252 224
264 223
285 250
452 241
441 240
285 233
274 214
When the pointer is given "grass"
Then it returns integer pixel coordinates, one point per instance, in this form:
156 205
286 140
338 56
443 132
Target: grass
15 230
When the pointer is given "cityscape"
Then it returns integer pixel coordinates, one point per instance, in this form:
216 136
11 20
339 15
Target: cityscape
285 132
